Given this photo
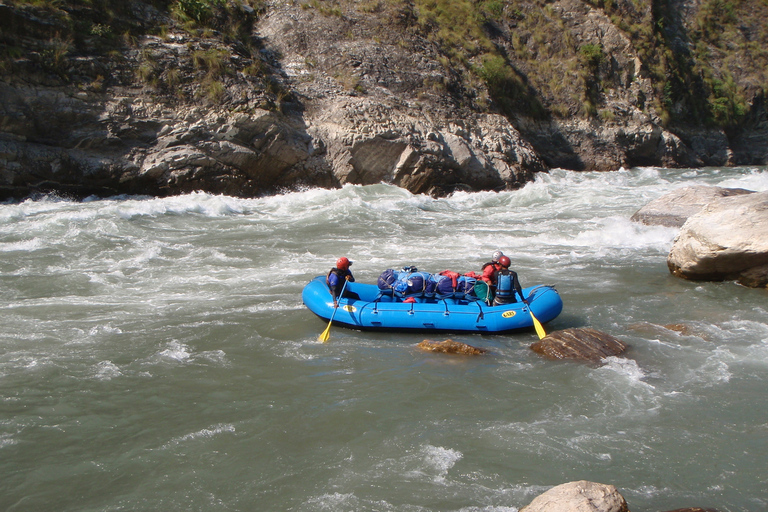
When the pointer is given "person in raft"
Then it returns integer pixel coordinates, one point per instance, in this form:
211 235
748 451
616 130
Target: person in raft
336 278
506 284
492 266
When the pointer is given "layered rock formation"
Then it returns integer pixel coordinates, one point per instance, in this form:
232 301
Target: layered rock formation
295 131
316 95
579 343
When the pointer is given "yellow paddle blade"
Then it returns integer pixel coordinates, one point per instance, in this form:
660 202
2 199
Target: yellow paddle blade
326 334
537 325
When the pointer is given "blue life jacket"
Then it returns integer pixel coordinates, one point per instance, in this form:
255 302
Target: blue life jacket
504 287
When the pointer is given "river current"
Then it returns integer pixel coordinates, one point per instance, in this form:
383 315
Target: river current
155 355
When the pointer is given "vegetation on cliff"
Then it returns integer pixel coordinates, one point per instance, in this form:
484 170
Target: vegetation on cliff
707 61
706 65
96 44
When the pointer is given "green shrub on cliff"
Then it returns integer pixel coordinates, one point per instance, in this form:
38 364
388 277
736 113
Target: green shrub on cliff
200 11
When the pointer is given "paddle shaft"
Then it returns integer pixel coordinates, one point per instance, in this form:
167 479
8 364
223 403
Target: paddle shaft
326 334
536 324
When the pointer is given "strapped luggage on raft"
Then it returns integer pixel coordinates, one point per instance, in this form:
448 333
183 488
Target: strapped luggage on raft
409 282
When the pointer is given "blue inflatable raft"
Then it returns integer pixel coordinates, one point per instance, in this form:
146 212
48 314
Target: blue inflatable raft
374 311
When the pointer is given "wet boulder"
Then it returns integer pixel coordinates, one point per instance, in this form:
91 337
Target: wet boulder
727 239
693 509
450 347
674 208
581 496
580 343
755 277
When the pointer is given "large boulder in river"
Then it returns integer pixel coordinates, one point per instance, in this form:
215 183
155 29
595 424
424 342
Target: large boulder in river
693 509
582 343
727 239
674 208
581 496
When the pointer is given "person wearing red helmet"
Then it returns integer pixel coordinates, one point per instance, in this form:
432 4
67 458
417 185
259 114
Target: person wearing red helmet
337 276
506 284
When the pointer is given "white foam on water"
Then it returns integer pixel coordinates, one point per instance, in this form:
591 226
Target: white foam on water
219 357
181 352
278 305
203 434
334 502
619 235
176 351
625 368
7 440
623 390
107 370
755 179
432 462
104 329
440 460
298 349
26 246
220 257
714 371
651 491
207 205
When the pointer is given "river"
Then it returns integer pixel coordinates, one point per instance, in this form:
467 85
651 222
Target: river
155 355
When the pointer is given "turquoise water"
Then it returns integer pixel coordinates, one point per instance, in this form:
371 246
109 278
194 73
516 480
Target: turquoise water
155 355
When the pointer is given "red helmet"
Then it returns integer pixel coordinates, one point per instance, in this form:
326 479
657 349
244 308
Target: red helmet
505 262
343 263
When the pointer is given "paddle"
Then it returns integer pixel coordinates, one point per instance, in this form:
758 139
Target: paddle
326 334
536 324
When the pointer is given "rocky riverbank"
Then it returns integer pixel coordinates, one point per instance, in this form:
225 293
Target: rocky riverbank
309 94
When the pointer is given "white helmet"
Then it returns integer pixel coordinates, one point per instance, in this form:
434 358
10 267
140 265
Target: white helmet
496 256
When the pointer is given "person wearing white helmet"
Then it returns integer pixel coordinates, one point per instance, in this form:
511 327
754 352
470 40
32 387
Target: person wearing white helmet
489 268
336 278
488 272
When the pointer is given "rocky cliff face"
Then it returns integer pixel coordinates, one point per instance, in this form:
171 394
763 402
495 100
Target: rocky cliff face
322 94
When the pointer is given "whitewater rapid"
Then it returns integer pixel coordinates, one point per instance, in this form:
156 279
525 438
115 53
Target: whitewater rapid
155 354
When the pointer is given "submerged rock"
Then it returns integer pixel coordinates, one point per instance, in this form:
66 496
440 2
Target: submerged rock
727 239
450 347
581 343
674 208
647 329
581 496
